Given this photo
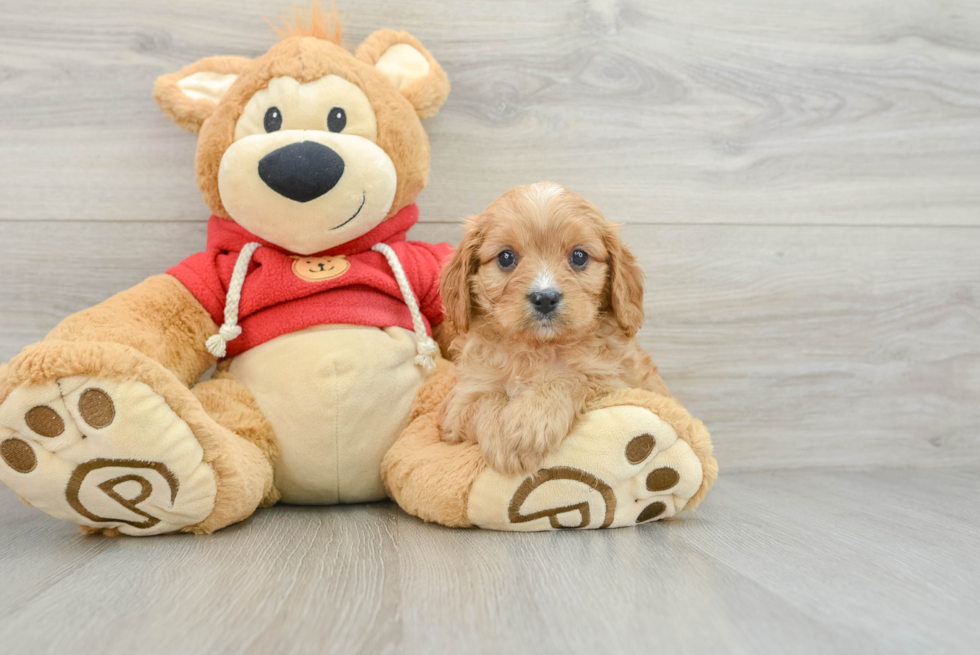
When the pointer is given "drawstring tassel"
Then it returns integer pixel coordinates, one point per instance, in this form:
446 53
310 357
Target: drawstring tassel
217 344
426 347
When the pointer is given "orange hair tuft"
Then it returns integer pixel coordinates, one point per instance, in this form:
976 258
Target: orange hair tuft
325 26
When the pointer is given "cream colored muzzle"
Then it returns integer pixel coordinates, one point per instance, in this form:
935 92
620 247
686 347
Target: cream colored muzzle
264 187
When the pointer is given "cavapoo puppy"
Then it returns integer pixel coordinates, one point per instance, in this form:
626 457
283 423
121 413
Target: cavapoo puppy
545 303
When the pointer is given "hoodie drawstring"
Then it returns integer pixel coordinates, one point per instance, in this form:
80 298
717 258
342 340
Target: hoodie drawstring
426 347
217 344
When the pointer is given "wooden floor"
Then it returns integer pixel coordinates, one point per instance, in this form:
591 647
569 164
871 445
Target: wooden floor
814 561
801 182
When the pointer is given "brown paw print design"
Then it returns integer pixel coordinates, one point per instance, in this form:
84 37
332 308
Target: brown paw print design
637 450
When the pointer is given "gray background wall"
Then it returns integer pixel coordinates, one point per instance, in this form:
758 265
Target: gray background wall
800 179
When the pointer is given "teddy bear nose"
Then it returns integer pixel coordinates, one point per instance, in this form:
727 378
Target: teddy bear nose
301 171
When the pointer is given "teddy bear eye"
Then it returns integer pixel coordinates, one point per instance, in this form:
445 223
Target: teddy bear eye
337 120
579 259
273 119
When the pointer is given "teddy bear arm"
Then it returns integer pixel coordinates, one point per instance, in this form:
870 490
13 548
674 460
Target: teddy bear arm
159 317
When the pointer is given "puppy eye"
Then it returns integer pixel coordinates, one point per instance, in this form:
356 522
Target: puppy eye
273 119
336 120
506 259
579 258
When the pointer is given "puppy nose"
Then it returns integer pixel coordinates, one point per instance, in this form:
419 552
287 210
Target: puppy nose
301 171
544 302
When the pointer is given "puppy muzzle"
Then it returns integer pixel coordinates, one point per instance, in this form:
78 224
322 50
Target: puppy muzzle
544 304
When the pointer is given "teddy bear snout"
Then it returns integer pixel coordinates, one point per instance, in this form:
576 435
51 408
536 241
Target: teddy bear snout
302 171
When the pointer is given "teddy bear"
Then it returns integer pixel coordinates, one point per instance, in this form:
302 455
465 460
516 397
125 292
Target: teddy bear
317 310
323 323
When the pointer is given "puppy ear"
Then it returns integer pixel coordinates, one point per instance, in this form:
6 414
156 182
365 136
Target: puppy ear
457 302
625 283
189 96
409 67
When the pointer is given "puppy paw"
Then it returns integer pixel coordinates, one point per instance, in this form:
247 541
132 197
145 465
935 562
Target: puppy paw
525 439
451 433
470 415
511 456
451 425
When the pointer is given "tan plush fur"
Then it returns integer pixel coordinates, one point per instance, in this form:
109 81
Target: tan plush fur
426 476
232 406
158 317
524 377
190 113
427 94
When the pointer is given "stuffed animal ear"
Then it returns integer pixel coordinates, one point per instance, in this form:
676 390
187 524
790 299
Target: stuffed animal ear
409 67
189 96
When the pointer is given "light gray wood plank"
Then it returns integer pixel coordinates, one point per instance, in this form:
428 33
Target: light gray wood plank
26 572
774 562
250 588
820 346
798 346
672 112
852 549
52 269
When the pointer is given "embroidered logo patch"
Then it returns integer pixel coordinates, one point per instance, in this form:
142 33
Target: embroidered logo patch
83 479
318 269
550 475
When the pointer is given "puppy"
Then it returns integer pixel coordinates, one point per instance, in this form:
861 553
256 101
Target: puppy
545 303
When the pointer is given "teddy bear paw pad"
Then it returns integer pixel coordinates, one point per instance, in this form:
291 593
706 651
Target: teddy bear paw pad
104 454
619 466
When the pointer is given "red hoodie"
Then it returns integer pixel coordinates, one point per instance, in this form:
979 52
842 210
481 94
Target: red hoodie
284 292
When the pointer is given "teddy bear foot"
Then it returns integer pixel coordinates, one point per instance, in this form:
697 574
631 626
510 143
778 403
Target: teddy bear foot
108 454
620 466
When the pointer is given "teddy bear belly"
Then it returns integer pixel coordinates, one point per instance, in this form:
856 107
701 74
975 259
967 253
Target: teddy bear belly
337 397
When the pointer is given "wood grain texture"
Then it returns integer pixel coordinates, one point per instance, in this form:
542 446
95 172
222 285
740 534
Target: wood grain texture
681 111
802 562
800 182
798 346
